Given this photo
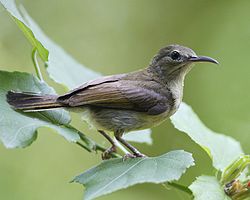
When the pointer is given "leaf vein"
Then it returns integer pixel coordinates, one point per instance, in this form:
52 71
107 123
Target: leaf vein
112 181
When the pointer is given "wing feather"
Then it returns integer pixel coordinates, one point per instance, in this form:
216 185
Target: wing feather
118 94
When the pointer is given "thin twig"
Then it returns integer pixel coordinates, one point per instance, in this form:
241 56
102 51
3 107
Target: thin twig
120 146
83 146
36 65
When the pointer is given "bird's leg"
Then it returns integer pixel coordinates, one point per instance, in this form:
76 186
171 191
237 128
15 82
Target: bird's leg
107 153
136 153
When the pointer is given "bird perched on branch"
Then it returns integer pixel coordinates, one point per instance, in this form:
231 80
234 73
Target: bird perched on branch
124 102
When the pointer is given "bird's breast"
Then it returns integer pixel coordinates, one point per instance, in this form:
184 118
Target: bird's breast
176 91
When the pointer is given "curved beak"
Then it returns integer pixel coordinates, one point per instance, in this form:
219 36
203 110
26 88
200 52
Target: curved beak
203 59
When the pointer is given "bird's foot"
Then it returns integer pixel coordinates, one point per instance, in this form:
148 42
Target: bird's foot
135 155
107 154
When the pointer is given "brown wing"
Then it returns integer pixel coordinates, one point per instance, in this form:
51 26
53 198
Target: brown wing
118 94
98 81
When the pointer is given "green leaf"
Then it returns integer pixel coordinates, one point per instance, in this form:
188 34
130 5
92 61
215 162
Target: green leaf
141 136
208 188
20 129
12 9
117 174
222 149
61 67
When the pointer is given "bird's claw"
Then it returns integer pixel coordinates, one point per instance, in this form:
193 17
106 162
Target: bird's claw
135 155
107 153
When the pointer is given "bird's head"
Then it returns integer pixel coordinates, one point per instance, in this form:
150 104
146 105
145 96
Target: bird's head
174 61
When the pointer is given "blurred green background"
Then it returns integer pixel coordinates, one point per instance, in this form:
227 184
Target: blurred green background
113 36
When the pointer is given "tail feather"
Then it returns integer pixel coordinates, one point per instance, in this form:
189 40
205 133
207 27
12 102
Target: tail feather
32 102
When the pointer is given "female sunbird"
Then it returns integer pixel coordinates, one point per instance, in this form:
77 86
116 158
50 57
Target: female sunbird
124 102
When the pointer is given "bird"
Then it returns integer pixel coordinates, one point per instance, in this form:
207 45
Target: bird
123 102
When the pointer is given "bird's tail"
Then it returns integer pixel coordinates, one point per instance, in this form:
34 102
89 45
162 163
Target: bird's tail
32 102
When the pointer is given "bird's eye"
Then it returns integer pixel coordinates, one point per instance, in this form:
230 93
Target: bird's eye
175 55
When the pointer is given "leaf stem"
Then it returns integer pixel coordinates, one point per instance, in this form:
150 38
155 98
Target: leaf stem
36 65
180 187
120 146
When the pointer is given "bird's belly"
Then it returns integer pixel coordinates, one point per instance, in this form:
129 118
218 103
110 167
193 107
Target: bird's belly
125 120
